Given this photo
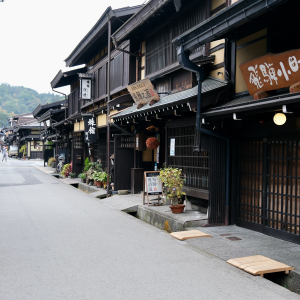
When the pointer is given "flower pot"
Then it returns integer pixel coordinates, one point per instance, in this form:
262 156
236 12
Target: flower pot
177 209
97 183
83 180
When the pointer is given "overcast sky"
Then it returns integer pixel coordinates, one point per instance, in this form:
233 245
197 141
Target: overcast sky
37 35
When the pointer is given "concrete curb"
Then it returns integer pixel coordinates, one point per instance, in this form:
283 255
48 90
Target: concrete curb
166 222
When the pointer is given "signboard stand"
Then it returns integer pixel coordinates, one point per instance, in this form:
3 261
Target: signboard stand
152 186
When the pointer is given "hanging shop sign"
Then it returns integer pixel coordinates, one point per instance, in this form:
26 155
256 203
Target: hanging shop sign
143 93
90 132
85 91
272 71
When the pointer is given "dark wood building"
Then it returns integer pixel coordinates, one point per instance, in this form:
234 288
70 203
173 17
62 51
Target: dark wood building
264 157
93 52
173 118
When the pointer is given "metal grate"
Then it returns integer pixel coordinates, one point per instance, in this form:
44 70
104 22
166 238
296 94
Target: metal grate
194 166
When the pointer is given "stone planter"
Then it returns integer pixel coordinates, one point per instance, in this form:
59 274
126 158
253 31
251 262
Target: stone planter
53 164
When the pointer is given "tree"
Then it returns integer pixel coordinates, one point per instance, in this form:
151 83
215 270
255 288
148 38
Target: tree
21 100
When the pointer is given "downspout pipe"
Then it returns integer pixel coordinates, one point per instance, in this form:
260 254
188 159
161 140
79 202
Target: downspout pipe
65 101
108 100
187 64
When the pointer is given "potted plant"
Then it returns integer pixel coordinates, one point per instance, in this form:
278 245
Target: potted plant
104 179
173 184
67 169
82 176
72 175
97 176
51 162
23 151
87 165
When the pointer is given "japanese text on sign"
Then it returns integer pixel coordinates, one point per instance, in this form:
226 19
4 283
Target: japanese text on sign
90 132
272 71
143 92
153 183
86 89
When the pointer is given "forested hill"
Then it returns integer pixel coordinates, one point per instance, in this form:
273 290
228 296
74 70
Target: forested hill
15 100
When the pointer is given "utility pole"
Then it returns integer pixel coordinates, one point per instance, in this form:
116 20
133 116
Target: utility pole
108 109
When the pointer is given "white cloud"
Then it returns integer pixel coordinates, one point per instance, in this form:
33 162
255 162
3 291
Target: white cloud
36 36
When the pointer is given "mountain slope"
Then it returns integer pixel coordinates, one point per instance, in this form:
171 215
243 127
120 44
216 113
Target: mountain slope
15 100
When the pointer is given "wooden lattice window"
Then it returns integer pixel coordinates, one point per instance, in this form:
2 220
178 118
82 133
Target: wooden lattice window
194 165
77 142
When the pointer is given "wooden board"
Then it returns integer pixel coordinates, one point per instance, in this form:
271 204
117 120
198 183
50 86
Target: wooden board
272 71
259 265
190 234
143 92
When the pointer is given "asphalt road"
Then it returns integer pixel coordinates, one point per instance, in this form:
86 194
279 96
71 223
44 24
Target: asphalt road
57 242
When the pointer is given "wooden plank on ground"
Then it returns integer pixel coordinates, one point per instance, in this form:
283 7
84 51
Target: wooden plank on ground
259 265
237 262
190 234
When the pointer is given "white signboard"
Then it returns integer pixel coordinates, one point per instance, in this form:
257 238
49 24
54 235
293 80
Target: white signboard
172 147
86 88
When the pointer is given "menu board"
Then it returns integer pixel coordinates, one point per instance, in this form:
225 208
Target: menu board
152 185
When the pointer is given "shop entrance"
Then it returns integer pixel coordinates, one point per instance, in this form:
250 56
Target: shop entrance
269 187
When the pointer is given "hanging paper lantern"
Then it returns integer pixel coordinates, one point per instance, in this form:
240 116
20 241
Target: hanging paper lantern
152 143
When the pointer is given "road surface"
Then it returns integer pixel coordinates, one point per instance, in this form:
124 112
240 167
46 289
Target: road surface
57 242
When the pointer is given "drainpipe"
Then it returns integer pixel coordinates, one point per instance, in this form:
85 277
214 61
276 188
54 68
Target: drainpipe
108 100
187 64
65 101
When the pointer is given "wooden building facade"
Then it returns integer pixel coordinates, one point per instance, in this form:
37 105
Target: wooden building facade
264 157
174 116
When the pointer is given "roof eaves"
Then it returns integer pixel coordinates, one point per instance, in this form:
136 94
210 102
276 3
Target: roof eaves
217 26
56 79
66 78
89 36
138 19
37 110
249 104
208 85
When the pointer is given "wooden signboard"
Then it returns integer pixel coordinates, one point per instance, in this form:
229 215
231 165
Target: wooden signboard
152 186
272 71
143 92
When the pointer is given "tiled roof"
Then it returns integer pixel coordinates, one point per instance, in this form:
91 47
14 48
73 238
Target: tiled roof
243 100
208 85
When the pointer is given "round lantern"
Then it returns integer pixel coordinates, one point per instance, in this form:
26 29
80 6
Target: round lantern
279 119
152 143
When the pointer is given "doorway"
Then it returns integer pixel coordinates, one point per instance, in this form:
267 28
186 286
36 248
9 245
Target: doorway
269 187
